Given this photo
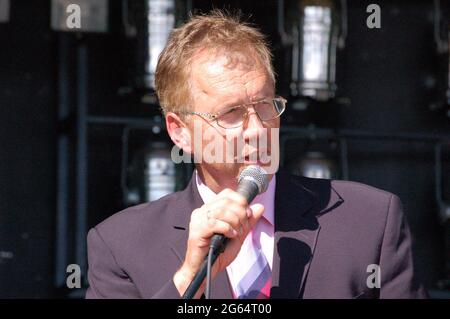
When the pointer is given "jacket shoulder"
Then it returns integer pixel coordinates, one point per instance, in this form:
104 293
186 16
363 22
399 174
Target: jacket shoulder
352 194
151 217
361 188
340 185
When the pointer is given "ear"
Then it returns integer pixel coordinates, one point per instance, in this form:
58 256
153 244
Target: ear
179 133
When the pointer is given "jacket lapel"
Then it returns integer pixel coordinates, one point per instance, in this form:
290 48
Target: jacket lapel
297 206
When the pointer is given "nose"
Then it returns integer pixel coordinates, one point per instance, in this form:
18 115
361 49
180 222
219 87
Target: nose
252 119
253 126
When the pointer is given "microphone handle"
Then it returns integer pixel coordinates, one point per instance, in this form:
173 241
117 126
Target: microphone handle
248 189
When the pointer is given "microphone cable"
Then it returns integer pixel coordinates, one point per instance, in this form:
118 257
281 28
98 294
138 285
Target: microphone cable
208 273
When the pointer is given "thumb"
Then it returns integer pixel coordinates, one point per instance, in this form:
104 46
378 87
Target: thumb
257 211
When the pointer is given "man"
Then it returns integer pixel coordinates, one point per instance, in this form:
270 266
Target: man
302 238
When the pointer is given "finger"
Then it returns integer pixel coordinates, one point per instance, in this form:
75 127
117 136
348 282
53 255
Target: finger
223 205
217 226
257 211
234 196
233 214
227 216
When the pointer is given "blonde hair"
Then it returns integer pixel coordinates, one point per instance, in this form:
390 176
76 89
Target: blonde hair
215 30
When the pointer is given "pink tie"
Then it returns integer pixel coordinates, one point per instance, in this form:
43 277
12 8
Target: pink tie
257 281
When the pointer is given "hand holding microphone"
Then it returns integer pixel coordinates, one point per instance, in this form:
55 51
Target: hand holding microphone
225 220
252 181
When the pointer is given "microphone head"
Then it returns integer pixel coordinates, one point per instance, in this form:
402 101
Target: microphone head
257 175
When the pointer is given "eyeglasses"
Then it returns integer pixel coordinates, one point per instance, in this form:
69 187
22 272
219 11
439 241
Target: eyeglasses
266 109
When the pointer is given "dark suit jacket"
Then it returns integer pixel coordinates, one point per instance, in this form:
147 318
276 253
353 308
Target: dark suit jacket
327 233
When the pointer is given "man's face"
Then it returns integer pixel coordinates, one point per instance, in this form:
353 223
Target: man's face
220 81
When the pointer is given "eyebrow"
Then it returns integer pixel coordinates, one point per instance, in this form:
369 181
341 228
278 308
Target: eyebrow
224 107
241 102
259 98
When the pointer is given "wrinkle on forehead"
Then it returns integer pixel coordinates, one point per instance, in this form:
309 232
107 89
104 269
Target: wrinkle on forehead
221 72
235 63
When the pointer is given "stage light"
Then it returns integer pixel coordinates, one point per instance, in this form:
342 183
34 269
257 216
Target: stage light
315 164
150 22
448 70
4 10
152 174
313 36
442 40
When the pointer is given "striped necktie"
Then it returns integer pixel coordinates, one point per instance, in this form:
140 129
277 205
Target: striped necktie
256 282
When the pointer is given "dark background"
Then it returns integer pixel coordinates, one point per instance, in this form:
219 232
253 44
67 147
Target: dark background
389 81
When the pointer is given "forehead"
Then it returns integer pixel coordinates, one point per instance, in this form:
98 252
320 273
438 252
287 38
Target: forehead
222 78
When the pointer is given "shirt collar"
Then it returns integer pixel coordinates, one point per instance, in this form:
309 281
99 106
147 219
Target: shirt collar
267 199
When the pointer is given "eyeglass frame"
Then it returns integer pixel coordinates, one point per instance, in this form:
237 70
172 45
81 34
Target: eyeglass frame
215 117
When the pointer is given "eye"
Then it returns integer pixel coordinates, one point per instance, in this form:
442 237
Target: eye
263 103
231 111
264 106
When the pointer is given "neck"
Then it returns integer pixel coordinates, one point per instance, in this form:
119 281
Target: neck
215 182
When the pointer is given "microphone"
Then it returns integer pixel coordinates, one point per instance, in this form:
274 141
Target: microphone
252 181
